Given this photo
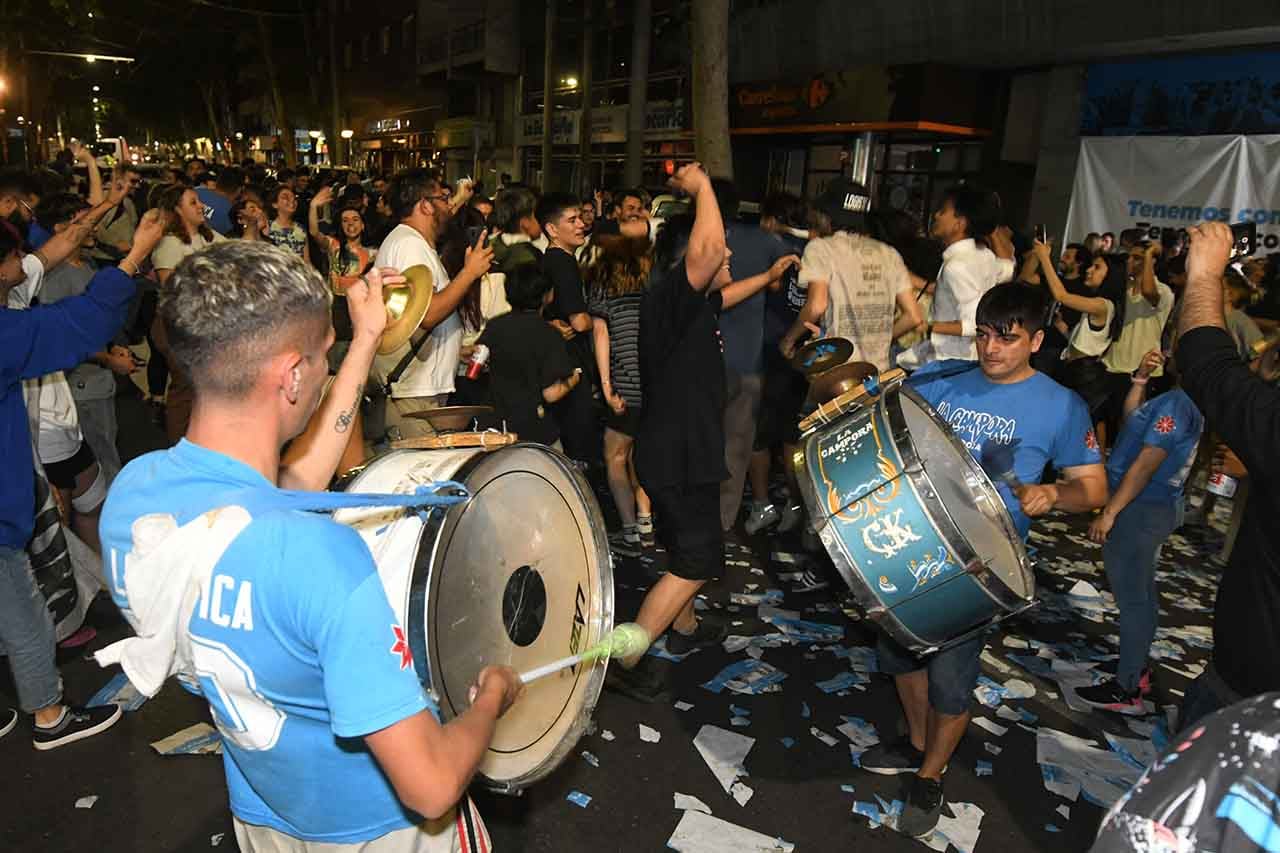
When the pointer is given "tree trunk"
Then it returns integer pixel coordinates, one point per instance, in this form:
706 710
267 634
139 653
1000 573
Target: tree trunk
309 50
641 28
277 97
548 95
584 80
215 127
711 86
336 138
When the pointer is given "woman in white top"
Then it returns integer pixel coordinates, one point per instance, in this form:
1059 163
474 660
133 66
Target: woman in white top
186 233
1101 319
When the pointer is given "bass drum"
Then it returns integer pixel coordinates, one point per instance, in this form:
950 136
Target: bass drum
519 575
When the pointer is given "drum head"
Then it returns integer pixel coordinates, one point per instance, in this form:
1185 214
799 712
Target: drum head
968 497
519 576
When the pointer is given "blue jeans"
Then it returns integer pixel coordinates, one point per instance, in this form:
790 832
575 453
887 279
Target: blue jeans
1130 554
26 632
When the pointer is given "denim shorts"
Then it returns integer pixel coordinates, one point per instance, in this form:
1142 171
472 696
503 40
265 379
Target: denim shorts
953 672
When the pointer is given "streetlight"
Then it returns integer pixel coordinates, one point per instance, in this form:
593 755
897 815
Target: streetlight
346 134
571 82
97 88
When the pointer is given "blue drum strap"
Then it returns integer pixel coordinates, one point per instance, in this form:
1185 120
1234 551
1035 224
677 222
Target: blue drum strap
424 497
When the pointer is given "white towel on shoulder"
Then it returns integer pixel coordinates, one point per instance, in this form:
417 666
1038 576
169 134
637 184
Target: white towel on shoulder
164 577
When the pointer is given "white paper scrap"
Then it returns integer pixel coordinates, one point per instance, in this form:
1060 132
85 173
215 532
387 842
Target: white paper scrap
700 833
741 792
683 706
724 752
961 831
200 739
1064 810
605 734
86 802
688 802
823 736
649 735
995 728
992 748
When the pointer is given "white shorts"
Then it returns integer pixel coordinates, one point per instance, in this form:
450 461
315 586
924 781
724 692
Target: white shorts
448 834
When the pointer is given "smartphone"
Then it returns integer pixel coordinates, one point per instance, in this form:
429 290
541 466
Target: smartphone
473 233
1042 233
1244 237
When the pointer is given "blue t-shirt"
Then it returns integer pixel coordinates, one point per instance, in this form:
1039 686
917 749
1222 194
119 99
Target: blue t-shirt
217 209
742 326
297 648
1171 422
1042 421
37 235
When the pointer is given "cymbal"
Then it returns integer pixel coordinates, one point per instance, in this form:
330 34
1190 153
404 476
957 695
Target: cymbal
452 418
822 354
843 377
406 306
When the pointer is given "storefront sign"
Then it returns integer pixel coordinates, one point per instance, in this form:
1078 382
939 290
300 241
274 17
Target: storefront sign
608 124
1156 182
864 94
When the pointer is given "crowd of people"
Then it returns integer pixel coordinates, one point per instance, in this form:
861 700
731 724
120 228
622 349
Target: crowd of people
656 354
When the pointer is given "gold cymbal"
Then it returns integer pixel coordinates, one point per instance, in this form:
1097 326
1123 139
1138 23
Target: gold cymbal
843 377
821 355
406 306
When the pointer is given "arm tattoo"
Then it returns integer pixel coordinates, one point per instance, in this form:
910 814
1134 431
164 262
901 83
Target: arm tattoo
347 416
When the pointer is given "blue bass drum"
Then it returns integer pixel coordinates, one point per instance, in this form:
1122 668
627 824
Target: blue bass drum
912 521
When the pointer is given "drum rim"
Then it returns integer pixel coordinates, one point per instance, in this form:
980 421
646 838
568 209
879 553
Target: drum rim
1000 593
419 597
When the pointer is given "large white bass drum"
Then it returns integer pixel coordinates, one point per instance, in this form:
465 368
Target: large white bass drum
519 575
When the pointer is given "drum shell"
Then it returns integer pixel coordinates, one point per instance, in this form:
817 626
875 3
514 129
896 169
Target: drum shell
413 551
880 517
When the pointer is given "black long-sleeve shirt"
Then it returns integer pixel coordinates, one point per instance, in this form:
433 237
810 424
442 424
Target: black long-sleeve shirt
1245 412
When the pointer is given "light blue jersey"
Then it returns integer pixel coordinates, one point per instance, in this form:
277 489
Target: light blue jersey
1171 422
295 644
1037 418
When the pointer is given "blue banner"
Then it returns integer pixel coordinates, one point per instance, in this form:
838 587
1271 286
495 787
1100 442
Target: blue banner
1234 93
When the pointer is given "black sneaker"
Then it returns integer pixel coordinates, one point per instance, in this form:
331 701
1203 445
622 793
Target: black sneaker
8 719
626 543
642 682
921 807
810 581
1110 696
705 635
892 759
77 724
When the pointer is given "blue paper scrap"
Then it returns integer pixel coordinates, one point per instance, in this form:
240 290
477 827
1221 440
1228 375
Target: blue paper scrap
739 712
984 768
788 742
804 710
590 759
747 676
1048 827
578 798
842 681
118 691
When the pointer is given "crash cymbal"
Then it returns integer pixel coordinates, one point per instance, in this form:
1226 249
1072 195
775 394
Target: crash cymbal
452 418
821 355
406 306
843 377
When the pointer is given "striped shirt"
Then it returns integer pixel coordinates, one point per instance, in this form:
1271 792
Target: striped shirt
622 313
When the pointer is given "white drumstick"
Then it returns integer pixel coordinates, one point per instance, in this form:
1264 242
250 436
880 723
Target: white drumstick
626 640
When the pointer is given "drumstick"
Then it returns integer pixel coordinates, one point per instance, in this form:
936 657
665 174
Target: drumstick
997 460
625 640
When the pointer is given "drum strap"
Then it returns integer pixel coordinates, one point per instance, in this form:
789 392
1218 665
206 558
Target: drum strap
425 496
942 370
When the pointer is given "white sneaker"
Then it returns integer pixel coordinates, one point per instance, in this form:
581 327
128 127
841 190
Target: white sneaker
8 719
760 518
792 515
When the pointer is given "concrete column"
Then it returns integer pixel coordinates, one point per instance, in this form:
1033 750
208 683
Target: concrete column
1059 151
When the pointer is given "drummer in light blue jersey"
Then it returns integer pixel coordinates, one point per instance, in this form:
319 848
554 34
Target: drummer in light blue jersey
328 735
1002 409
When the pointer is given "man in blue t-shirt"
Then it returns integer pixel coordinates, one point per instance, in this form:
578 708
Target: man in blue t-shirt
328 735
1146 472
217 199
1002 409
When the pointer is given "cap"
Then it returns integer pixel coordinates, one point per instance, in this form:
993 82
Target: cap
846 202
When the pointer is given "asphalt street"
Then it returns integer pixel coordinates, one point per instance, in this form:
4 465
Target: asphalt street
804 790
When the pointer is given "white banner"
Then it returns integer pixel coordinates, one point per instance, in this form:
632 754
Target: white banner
1156 182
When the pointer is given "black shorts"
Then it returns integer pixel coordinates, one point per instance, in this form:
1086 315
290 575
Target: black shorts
780 401
688 524
63 474
627 423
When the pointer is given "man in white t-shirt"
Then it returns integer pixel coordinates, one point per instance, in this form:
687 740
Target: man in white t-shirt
419 201
968 270
855 283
